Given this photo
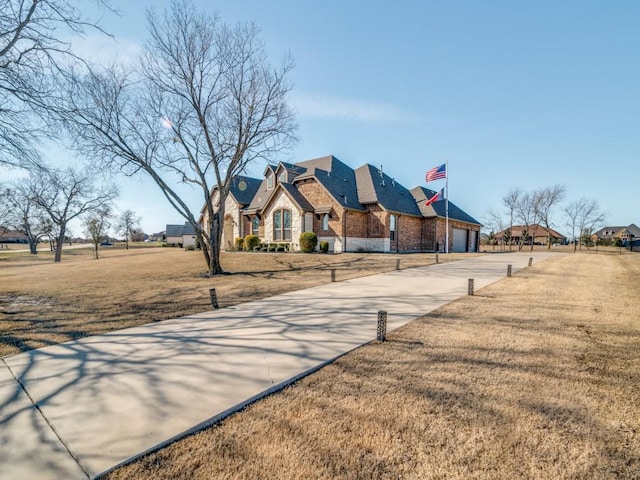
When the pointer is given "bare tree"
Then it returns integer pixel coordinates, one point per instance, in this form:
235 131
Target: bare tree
205 102
527 211
4 209
31 52
128 223
590 215
68 194
571 215
510 201
495 221
96 224
23 214
548 199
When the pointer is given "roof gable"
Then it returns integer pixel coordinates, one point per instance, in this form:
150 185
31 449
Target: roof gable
338 179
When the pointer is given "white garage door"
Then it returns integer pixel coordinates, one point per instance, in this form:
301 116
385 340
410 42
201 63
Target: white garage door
474 241
459 240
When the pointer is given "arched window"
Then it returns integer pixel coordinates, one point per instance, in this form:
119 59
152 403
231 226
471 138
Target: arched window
255 226
282 225
392 227
325 221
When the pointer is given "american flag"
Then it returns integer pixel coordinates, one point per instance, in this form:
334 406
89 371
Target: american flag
437 173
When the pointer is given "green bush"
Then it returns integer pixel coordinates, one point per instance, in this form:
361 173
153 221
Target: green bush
250 242
308 242
239 243
324 246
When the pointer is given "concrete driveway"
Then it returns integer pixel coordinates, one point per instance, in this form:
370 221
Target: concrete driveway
77 409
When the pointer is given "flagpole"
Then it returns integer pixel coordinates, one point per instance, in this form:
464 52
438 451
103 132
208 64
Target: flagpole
446 209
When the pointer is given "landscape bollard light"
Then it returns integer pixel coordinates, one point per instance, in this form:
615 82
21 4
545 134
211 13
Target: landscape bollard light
470 289
397 264
214 298
530 260
508 270
382 325
333 274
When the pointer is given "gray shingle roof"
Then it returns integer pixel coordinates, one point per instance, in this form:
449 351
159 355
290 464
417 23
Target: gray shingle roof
374 186
179 230
261 196
438 208
336 177
244 189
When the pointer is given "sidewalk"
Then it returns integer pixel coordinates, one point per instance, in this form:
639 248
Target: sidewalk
103 399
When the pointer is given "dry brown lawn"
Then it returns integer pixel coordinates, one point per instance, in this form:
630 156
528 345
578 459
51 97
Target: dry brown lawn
535 377
42 303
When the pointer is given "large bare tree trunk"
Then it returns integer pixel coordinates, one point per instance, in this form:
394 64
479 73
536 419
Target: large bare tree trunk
58 255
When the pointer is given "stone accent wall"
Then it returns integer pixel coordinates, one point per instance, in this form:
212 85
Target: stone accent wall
359 244
297 220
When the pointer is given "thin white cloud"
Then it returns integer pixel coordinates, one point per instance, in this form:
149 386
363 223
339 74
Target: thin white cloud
103 50
322 106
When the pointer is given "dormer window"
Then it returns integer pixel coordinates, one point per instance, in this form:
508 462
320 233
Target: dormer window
283 176
270 181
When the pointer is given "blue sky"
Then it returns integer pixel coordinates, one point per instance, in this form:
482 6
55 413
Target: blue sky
512 94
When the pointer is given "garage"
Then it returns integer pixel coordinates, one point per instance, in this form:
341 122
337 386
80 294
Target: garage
459 240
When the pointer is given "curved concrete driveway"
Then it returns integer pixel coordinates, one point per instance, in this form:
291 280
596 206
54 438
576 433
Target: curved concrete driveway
77 409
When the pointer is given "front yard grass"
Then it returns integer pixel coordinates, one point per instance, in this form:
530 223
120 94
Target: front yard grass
42 303
535 377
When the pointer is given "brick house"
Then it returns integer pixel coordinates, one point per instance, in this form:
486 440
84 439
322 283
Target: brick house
626 235
525 235
353 210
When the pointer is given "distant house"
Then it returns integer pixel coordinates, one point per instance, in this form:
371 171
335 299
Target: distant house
525 235
353 210
12 236
627 235
184 235
157 237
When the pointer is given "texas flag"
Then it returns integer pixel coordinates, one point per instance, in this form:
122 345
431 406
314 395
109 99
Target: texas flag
437 196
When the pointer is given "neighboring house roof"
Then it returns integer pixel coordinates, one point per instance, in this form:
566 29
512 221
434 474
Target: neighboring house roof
617 232
608 232
8 234
179 230
533 231
374 186
439 207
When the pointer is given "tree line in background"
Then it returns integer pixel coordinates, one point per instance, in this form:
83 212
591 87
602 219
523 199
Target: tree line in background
200 104
42 204
528 209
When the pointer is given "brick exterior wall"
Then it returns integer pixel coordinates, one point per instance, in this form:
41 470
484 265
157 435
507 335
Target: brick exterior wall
409 233
317 196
